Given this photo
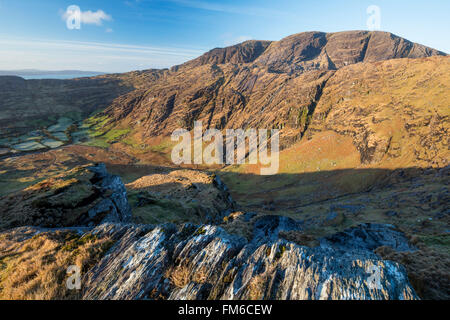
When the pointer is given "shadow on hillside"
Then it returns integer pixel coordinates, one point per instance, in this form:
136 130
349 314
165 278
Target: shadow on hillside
293 191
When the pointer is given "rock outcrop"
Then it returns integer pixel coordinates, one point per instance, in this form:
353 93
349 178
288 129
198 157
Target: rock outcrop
368 237
191 262
179 196
88 208
114 197
84 196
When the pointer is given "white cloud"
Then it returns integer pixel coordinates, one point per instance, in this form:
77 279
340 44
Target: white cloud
89 17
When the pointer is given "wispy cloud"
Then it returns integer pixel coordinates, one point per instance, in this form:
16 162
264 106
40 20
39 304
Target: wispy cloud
107 57
132 3
225 8
229 39
89 17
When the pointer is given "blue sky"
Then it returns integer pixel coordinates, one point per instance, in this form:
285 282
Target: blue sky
124 35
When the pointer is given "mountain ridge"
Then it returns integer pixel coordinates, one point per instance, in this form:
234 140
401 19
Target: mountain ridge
234 54
278 88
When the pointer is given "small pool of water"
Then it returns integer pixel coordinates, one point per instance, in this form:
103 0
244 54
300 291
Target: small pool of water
28 146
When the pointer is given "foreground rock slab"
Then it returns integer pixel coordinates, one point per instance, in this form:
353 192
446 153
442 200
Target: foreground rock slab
191 262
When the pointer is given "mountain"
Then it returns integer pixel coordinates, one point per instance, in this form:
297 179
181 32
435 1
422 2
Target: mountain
362 185
256 84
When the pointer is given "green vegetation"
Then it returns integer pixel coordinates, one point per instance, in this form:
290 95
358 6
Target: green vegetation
439 242
115 135
73 241
101 132
155 210
163 147
200 231
280 252
303 117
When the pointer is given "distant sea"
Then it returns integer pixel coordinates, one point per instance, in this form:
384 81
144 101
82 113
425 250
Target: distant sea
59 76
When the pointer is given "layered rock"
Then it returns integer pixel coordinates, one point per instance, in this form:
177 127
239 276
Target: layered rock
205 262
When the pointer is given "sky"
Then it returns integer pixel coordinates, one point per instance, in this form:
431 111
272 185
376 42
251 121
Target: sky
125 35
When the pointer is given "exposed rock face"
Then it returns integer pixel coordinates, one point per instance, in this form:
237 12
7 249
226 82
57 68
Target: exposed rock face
316 50
368 237
244 52
83 196
390 110
114 194
269 227
207 263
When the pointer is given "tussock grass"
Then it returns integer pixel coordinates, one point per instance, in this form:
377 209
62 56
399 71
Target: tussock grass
35 269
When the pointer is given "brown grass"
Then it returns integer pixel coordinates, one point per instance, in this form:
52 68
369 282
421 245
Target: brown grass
299 238
35 269
428 270
179 276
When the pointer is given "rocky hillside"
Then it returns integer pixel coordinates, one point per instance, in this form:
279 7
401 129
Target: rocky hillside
205 262
193 261
255 84
250 255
